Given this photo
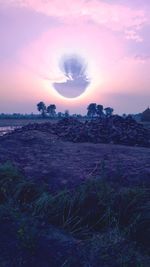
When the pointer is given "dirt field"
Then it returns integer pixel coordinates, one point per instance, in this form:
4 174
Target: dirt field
103 223
65 164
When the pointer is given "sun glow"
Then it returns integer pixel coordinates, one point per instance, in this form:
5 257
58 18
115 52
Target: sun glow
111 38
54 44
92 74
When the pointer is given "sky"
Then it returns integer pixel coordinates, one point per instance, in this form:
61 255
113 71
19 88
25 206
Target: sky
74 52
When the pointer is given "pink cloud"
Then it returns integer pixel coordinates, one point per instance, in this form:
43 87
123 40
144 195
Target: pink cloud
116 17
144 59
132 35
93 29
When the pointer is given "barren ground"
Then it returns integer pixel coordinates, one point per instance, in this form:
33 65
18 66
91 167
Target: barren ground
40 155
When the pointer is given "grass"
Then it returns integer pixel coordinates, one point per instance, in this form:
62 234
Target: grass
111 226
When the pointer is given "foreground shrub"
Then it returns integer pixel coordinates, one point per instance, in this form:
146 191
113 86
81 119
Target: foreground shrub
9 177
81 212
112 248
133 212
111 226
26 192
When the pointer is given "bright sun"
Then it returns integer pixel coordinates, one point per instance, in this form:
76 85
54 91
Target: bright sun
76 81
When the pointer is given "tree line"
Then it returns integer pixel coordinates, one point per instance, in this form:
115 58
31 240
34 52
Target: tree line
99 110
93 110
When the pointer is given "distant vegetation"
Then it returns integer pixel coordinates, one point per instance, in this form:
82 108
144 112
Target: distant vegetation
98 110
93 110
19 116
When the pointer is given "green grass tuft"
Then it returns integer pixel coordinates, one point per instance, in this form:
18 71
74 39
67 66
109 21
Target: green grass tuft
110 223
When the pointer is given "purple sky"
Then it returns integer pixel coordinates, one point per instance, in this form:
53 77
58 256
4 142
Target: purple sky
113 38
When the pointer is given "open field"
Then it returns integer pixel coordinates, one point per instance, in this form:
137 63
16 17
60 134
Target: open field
72 204
42 155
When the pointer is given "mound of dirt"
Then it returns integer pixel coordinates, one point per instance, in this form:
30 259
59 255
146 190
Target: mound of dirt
112 130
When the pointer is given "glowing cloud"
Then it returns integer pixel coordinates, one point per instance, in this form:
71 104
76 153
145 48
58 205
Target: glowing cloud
114 16
112 38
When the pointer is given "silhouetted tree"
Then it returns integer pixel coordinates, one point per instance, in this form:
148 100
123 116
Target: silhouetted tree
109 111
91 110
124 115
60 115
51 110
42 108
66 114
99 110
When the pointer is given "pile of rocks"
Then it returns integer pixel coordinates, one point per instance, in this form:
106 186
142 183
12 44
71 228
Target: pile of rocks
115 130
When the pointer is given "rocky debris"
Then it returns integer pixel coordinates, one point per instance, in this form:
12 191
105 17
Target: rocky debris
112 130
